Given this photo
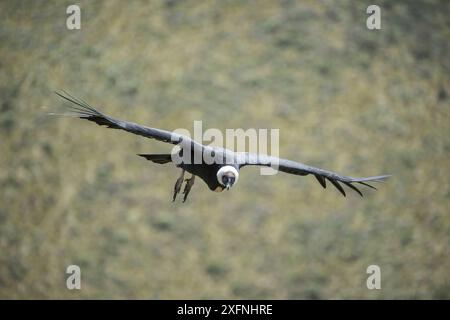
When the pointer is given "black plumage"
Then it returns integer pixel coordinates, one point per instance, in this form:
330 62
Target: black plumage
213 174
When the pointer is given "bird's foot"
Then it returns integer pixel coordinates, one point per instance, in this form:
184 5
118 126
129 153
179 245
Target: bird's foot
177 187
188 187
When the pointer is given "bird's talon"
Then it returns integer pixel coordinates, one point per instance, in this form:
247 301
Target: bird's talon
177 187
188 186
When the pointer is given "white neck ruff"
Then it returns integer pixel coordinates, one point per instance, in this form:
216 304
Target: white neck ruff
227 169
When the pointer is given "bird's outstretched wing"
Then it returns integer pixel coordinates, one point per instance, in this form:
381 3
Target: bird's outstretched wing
83 110
292 167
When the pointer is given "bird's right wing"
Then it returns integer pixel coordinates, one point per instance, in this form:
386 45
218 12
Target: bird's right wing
297 168
83 110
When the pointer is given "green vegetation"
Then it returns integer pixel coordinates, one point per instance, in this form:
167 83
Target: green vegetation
345 98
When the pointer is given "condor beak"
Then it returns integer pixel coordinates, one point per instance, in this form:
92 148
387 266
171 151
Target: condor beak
230 183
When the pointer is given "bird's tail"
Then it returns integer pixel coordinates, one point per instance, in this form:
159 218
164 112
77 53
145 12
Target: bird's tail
157 158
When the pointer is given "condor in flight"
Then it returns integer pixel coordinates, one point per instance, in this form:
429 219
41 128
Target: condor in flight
218 175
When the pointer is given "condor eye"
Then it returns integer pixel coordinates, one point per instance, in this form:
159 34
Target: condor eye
225 179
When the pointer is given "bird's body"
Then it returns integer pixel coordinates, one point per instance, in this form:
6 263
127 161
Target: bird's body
207 172
221 173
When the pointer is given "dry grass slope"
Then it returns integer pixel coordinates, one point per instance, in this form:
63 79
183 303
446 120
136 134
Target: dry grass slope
345 98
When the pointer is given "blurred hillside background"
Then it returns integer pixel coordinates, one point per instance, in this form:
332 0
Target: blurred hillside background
348 99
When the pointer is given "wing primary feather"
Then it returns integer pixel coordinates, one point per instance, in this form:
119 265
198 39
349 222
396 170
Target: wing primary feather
87 105
71 100
79 110
75 115
367 185
321 180
338 186
375 179
75 101
81 103
348 184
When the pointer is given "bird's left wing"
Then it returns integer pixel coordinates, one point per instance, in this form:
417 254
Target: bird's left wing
297 168
83 110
